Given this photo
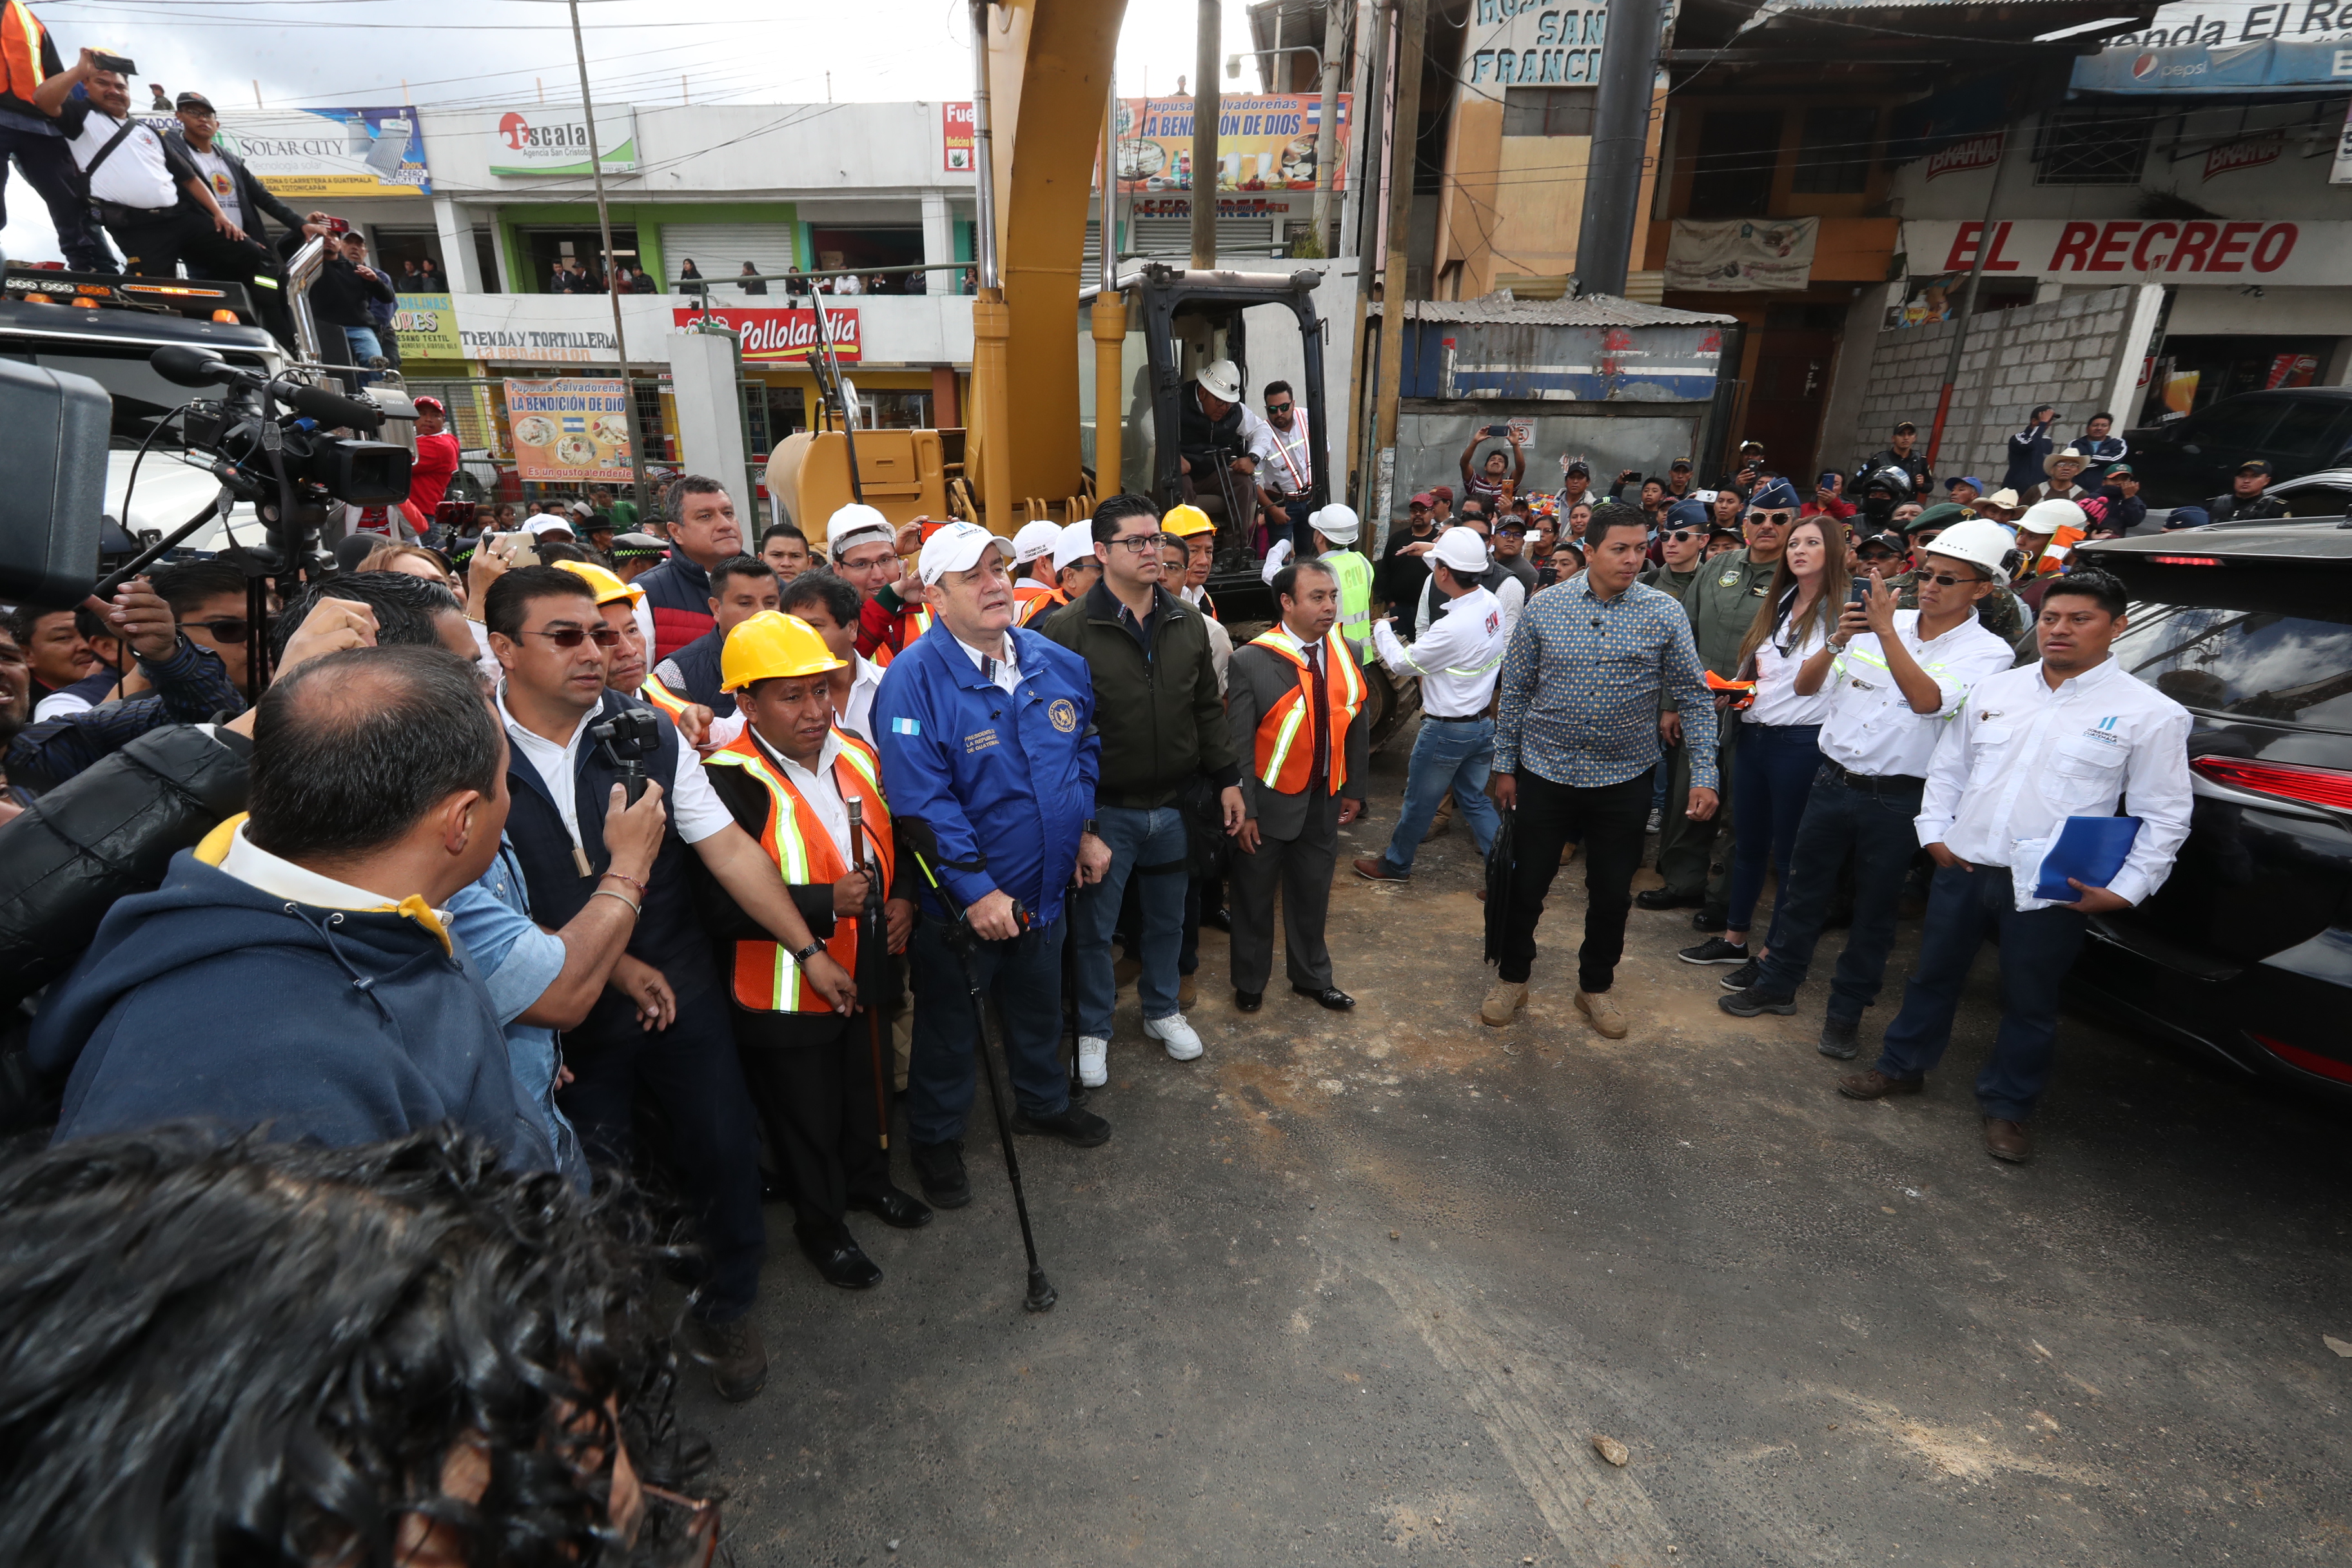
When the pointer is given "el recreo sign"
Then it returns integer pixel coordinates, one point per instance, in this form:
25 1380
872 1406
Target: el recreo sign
2149 250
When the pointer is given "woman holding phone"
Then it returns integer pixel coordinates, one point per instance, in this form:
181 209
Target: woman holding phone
1778 756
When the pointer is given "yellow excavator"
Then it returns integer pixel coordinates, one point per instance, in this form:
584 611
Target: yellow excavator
1086 425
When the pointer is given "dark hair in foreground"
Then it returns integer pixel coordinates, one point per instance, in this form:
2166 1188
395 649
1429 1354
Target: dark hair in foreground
741 566
406 609
507 605
1286 582
1115 509
1612 514
2090 582
685 485
350 749
839 599
239 1352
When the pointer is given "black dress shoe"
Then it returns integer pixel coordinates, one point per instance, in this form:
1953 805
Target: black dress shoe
838 1256
895 1209
1078 1129
1329 996
940 1168
1218 918
1249 1001
1668 899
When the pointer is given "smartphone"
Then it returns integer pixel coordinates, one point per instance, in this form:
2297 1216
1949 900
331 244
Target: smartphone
339 225
1500 432
115 63
506 546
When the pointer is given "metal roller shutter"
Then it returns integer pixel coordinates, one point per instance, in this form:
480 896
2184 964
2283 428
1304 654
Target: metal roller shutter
719 250
1172 237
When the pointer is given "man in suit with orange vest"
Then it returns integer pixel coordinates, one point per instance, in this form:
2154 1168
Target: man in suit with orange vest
788 780
1296 699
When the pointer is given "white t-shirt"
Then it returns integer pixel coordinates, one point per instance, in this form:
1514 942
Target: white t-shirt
1777 702
214 170
135 174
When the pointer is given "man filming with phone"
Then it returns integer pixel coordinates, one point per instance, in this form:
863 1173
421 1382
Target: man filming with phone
151 198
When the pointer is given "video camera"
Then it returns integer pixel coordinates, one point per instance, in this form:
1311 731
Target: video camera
624 741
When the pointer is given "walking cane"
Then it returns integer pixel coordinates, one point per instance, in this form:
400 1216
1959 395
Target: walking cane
873 947
915 837
1070 1008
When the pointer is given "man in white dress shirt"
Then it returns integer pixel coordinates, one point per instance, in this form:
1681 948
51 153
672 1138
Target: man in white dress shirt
2070 736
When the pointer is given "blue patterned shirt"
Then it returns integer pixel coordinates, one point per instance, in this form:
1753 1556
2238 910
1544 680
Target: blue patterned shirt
1578 694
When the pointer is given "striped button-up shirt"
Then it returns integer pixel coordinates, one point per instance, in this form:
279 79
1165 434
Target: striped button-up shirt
1578 703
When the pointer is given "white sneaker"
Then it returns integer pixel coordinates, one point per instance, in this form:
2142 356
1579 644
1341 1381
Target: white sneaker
1177 1035
1093 1064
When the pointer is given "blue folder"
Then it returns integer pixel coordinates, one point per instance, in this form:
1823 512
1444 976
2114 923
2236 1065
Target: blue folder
2091 849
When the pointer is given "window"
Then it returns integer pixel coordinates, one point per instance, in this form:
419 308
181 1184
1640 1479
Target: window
1833 155
2243 661
1732 174
2101 146
2313 431
2317 500
2231 427
1548 110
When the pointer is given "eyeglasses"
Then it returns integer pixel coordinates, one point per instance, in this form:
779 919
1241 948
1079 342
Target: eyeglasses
1771 519
571 637
1685 535
1945 580
1278 407
228 628
1924 537
1140 544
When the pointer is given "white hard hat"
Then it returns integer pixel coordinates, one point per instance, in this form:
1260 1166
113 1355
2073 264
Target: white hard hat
1075 544
1980 542
1336 524
845 528
1222 380
1035 539
2049 517
1462 551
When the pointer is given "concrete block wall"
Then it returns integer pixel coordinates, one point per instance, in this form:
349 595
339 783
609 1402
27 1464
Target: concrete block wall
2071 352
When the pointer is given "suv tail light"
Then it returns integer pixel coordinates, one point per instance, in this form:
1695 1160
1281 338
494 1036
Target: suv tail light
2289 780
2309 1062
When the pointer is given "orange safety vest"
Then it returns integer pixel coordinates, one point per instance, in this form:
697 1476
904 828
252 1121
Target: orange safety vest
766 978
2054 554
662 697
1286 742
21 34
1044 602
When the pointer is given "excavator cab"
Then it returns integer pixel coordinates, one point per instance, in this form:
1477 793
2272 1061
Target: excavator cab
1178 323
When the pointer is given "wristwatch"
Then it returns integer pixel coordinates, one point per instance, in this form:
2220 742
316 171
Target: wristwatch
1089 827
805 954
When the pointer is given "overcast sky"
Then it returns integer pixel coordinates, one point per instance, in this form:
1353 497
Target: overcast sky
467 52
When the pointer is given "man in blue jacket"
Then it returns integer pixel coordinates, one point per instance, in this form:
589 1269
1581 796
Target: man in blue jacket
987 733
295 972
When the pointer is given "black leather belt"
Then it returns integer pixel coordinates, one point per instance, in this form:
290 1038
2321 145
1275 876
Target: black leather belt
1877 783
1454 718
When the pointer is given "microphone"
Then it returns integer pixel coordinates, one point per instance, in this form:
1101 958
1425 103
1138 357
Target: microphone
325 407
187 366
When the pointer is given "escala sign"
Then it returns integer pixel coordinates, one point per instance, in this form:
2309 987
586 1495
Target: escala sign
2157 250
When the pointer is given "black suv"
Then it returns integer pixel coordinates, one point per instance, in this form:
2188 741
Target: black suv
2183 463
2247 948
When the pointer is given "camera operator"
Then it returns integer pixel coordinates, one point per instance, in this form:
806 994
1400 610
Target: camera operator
151 198
245 199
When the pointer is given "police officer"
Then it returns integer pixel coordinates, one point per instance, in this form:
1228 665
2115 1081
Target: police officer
987 735
2244 501
788 780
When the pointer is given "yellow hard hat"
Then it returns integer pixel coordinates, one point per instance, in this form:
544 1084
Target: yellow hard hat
772 645
607 588
1184 522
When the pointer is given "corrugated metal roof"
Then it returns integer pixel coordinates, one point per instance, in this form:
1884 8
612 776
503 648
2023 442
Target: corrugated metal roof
1592 310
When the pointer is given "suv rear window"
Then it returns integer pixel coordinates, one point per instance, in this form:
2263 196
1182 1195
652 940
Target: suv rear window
2248 663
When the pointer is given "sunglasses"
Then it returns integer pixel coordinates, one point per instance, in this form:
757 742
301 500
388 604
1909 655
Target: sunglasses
1924 537
1278 407
1772 519
571 636
1685 535
1946 580
228 628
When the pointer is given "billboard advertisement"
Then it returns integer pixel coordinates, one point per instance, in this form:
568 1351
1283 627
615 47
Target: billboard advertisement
778 336
567 431
426 327
957 130
2224 47
1265 143
540 140
318 154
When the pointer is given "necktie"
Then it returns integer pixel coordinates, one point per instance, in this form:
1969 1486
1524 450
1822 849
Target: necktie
1318 714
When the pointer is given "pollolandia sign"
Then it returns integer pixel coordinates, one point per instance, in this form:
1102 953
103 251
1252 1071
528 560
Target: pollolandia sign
2146 250
1974 153
774 336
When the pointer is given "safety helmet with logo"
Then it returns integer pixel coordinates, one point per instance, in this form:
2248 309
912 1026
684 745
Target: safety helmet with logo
2045 518
855 524
1980 542
1221 380
772 645
1033 539
1184 522
607 588
1338 523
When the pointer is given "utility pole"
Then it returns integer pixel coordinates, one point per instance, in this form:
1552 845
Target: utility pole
1413 24
1205 135
1327 126
1373 116
1621 139
1967 309
604 224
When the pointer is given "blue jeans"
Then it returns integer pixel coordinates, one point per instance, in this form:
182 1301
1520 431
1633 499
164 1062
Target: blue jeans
1446 755
1025 976
1875 824
1155 846
365 346
1777 765
2037 949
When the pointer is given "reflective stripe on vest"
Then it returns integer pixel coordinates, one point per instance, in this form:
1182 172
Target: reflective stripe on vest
764 976
662 697
1879 666
1281 763
1355 574
1050 600
20 50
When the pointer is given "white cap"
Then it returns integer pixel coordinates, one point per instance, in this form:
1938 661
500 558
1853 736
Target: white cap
1276 560
2047 517
1035 539
1462 551
1336 524
1076 544
545 523
1221 381
1980 542
581 509
957 547
843 529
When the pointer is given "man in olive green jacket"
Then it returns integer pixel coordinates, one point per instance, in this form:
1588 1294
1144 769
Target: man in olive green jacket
1721 602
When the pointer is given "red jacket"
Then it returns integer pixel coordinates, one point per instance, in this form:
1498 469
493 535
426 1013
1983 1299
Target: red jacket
428 476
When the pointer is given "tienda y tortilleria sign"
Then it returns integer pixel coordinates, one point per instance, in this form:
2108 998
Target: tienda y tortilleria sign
2157 250
774 336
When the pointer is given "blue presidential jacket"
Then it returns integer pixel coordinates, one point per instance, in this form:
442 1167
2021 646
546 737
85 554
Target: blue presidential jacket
1010 775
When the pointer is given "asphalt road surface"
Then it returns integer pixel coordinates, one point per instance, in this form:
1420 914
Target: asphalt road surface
1362 1289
